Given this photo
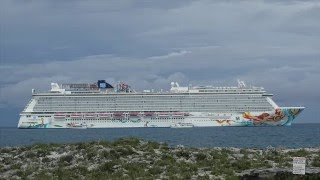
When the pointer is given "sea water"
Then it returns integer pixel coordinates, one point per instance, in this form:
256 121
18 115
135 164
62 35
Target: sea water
295 136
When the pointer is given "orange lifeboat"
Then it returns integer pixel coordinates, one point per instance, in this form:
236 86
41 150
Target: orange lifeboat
105 115
119 114
163 114
133 114
59 115
178 114
90 115
149 114
76 115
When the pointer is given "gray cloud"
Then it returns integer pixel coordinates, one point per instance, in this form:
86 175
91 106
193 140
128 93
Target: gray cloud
149 44
286 77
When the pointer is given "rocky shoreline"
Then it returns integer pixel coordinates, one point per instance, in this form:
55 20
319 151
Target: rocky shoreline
133 158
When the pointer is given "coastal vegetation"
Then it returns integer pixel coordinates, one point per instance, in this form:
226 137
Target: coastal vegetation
133 158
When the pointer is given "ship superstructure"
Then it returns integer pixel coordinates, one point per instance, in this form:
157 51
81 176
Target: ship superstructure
101 105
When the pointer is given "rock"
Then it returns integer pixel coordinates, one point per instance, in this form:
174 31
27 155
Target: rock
149 159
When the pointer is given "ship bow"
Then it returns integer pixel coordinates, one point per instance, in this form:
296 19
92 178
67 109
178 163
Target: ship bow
291 113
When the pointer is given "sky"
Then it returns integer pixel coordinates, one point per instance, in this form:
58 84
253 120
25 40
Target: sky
274 44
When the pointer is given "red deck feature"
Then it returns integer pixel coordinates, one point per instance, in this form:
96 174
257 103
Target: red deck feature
163 114
76 115
59 115
133 114
105 115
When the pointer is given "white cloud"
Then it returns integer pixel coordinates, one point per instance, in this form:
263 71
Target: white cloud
170 55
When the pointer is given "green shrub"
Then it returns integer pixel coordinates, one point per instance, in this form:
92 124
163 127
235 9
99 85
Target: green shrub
45 160
104 154
90 155
30 154
299 153
164 147
148 148
154 145
42 152
168 157
107 167
80 170
261 163
203 177
225 151
16 166
316 161
193 167
183 166
136 170
62 173
114 154
19 173
124 151
133 142
241 165
187 175
43 149
183 153
5 150
80 146
155 170
66 158
43 176
244 151
8 160
104 143
232 177
29 171
201 156
216 155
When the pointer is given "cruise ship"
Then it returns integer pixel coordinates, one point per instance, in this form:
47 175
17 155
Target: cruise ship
102 105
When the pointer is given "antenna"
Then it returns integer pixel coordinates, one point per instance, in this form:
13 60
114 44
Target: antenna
241 84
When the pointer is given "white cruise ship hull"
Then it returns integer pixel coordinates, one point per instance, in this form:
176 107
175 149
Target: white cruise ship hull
100 105
278 117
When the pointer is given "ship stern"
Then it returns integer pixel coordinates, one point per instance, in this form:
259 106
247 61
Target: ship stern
22 125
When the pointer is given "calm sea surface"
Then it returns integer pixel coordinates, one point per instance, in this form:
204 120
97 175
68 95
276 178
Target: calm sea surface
295 136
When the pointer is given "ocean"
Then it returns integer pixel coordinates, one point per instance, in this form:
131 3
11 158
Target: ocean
295 136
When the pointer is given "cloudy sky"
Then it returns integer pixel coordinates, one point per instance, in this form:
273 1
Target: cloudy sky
275 44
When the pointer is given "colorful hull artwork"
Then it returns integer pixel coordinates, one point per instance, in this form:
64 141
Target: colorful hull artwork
281 116
35 124
278 117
